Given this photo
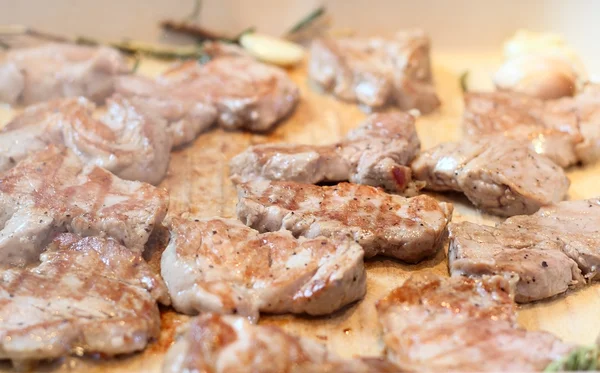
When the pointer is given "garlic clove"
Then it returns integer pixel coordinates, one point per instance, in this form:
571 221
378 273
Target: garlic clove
272 50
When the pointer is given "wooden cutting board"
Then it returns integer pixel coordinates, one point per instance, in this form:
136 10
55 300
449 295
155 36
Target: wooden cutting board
199 186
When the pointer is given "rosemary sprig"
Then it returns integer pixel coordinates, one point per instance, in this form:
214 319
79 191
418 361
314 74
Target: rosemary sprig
580 359
464 77
150 50
308 20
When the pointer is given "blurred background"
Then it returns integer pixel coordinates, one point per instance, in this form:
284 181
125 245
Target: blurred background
464 25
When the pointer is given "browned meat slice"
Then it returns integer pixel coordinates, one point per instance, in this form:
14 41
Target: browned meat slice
219 344
88 295
51 71
220 265
375 71
497 175
565 130
51 192
409 229
440 324
548 251
376 153
130 140
247 94
586 105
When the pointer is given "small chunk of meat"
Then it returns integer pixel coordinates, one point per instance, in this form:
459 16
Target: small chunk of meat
246 93
498 175
220 344
52 192
565 130
375 71
130 140
54 70
88 295
274 272
376 153
434 324
541 268
550 251
409 229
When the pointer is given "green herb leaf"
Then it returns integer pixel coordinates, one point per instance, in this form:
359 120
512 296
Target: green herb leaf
580 359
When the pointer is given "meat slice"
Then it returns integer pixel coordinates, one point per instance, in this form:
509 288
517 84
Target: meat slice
564 130
130 140
409 229
245 93
54 70
550 251
220 265
440 324
88 295
498 175
375 71
586 105
376 153
52 192
222 343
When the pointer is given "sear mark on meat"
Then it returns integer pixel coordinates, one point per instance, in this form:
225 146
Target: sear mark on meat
409 229
220 265
243 94
88 295
52 192
376 153
498 175
550 251
223 343
565 130
130 140
52 71
434 323
376 71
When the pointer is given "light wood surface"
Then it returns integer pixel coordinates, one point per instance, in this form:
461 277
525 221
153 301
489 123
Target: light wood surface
199 186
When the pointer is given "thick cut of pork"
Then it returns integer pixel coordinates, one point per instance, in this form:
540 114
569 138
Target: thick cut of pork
565 130
88 295
498 175
376 71
554 249
51 71
243 93
222 343
376 153
409 229
440 324
220 265
130 140
52 192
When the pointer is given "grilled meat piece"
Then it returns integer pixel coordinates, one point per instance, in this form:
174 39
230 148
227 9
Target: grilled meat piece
220 265
409 229
565 130
375 71
216 343
498 175
549 251
438 324
52 192
130 140
51 71
244 93
376 153
88 295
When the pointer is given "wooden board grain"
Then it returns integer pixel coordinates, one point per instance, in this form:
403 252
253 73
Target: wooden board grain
199 186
